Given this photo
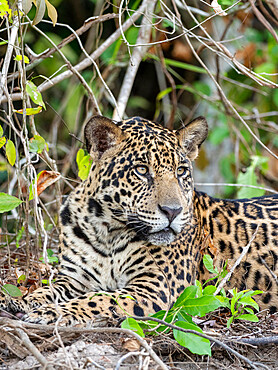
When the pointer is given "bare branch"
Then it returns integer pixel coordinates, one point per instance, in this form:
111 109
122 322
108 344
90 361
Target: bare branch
137 55
87 61
7 60
50 328
72 69
33 349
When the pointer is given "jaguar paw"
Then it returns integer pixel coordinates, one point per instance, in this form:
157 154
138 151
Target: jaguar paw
45 315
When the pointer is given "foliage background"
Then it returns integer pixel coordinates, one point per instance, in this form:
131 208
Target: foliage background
197 63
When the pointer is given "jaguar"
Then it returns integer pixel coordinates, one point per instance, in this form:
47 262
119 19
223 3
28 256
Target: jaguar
133 234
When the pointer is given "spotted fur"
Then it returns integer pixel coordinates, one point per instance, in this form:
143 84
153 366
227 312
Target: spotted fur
136 227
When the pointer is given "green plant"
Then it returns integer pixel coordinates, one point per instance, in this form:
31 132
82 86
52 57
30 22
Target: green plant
198 300
249 177
8 202
50 256
239 305
11 290
84 163
241 302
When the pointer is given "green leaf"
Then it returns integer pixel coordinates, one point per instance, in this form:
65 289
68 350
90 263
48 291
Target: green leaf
209 290
167 316
229 322
163 93
224 271
224 301
252 292
199 292
50 257
248 317
208 262
21 278
19 236
183 316
10 152
188 67
188 293
164 315
4 9
46 282
37 144
248 301
236 297
250 178
84 163
19 57
202 87
133 325
249 310
201 306
193 342
2 141
275 97
128 296
30 111
11 290
79 156
8 202
218 134
34 93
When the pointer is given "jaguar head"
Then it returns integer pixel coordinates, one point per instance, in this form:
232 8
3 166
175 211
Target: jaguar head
141 177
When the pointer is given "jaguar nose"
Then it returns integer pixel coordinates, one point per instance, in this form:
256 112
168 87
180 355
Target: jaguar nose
170 213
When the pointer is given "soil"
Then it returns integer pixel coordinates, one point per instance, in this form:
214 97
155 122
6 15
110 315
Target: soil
85 350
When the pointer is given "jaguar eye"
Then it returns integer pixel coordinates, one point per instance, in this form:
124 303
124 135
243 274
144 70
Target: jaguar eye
142 170
181 170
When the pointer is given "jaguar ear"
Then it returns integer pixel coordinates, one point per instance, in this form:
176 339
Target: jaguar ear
101 134
192 136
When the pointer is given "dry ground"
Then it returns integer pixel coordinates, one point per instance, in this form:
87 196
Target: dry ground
26 346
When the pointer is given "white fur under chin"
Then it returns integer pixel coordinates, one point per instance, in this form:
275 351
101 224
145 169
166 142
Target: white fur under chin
161 238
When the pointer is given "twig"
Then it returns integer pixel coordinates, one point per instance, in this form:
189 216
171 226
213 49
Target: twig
86 25
137 55
123 358
170 120
71 68
266 13
87 61
269 269
7 60
62 329
262 19
221 344
33 349
222 50
243 253
228 103
93 62
37 59
259 341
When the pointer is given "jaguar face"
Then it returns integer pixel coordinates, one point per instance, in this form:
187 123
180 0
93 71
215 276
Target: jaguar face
142 175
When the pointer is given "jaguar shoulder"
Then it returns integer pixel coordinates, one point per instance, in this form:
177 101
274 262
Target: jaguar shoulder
136 227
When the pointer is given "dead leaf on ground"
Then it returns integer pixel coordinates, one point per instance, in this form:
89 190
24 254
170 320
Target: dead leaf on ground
131 345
